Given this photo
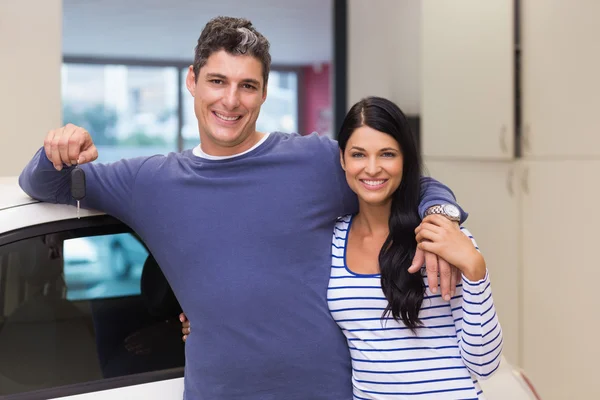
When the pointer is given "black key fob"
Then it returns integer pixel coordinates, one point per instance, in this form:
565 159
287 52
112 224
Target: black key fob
77 183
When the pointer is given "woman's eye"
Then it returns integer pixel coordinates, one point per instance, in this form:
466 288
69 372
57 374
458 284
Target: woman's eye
389 154
357 155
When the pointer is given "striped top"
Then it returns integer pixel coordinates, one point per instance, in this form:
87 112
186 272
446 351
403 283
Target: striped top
460 341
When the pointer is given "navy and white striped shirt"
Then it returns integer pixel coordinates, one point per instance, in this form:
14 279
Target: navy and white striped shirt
460 341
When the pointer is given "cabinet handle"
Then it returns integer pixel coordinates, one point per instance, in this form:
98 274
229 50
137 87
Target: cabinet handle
525 180
525 138
503 145
509 181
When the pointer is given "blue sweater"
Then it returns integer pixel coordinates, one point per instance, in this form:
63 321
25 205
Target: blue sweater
245 244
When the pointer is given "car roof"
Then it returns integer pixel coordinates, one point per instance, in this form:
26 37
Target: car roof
18 210
11 194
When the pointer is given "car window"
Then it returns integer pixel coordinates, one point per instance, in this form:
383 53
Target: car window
103 266
80 306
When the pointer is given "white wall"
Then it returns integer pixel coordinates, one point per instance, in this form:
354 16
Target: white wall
384 51
30 54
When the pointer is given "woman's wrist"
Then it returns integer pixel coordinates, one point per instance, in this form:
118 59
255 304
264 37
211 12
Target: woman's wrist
476 270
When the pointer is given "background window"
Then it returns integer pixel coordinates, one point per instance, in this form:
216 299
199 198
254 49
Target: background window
129 110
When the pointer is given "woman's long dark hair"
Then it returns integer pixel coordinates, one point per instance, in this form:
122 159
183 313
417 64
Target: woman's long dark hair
403 290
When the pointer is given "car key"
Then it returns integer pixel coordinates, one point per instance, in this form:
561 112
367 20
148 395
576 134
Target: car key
77 186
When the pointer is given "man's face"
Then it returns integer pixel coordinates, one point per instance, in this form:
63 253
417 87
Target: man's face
228 93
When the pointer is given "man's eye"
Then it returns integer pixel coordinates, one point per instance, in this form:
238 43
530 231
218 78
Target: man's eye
216 81
248 86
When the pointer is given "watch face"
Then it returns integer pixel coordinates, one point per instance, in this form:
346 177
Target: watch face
452 211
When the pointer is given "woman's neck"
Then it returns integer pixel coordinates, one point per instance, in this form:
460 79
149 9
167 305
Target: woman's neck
373 219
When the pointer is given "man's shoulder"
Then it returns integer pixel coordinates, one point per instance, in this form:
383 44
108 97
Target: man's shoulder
312 141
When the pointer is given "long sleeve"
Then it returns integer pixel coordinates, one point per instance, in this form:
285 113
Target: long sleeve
433 193
109 187
477 327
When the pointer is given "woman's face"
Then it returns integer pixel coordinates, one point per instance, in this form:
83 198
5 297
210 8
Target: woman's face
373 164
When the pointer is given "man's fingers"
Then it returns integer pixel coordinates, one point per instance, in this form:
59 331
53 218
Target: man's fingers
456 278
48 144
426 234
64 142
431 265
417 262
88 155
445 278
74 145
56 160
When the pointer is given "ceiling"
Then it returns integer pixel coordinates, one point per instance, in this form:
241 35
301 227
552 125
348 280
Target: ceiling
300 31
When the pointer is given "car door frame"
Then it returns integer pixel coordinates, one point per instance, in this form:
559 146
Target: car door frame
108 224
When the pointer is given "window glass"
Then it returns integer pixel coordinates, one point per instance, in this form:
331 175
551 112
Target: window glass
129 110
103 266
75 307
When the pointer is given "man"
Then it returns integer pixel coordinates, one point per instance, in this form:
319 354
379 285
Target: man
241 226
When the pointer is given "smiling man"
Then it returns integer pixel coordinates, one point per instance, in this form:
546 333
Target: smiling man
241 226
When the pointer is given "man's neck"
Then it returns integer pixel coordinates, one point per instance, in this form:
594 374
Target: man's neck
217 150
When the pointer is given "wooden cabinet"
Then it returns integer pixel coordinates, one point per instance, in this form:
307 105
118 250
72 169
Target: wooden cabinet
467 77
560 78
489 192
560 279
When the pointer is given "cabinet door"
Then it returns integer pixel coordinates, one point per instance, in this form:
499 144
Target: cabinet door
560 78
561 273
467 79
487 191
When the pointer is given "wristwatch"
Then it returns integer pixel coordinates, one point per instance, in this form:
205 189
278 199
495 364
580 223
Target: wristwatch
449 211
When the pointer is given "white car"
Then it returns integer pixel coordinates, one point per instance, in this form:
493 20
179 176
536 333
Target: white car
72 328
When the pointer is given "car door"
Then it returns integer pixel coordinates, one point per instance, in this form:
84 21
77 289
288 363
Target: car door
85 313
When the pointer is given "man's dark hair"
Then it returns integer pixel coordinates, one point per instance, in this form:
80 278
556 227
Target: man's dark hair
236 36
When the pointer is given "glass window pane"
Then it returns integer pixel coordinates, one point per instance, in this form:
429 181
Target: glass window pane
103 266
278 113
130 111
68 316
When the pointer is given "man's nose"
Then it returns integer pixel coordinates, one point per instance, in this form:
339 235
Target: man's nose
231 99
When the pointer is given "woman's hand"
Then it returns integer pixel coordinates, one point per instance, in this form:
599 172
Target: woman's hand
185 326
444 238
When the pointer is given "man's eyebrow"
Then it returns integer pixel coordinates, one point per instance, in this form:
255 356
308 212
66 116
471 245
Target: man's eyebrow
213 75
252 81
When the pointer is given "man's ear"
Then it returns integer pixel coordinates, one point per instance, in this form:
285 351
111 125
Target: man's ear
342 159
190 80
264 96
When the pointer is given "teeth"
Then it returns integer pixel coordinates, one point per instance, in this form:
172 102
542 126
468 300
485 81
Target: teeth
373 183
227 118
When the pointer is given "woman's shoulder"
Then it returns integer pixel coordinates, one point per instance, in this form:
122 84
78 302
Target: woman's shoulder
343 222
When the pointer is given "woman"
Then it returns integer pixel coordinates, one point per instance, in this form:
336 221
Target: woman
405 342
